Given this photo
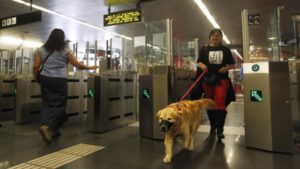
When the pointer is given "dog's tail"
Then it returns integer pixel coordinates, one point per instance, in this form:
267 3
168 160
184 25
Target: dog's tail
205 103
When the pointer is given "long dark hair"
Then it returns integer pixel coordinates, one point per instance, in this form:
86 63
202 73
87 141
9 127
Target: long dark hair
56 40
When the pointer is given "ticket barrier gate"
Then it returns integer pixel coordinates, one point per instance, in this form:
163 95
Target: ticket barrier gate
77 96
153 90
268 118
112 101
294 67
182 82
29 103
28 100
7 97
158 87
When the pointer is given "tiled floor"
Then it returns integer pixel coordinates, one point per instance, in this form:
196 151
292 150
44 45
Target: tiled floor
125 149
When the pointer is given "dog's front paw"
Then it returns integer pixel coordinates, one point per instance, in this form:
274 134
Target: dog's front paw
167 159
190 148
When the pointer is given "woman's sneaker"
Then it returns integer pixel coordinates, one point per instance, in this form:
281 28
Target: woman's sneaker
46 133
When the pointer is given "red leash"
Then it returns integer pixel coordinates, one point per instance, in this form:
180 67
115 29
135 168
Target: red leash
193 85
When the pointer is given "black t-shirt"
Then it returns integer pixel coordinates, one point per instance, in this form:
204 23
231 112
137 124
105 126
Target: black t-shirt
215 58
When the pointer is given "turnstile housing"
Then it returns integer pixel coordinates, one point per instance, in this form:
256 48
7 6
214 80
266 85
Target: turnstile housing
153 90
112 101
268 119
28 103
7 97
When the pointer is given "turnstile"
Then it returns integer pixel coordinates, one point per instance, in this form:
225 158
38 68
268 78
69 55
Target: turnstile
7 97
268 119
182 80
153 91
29 103
112 100
158 87
28 100
294 68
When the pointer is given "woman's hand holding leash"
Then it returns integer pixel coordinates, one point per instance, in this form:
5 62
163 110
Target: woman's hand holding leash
202 66
226 68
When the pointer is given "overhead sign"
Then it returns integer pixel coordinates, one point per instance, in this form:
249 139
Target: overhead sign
123 2
22 19
256 95
123 17
120 2
254 19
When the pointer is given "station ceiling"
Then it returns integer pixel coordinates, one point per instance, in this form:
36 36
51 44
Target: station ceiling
188 21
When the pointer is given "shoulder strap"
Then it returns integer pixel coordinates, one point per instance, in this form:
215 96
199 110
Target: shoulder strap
42 65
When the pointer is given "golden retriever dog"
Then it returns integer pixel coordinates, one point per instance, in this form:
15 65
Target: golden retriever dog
182 118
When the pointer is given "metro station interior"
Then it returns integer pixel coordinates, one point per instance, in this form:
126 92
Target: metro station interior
144 65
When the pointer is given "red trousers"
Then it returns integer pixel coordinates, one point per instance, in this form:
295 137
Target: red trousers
217 93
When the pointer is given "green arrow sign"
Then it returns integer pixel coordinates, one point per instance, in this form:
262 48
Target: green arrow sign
256 95
91 93
146 94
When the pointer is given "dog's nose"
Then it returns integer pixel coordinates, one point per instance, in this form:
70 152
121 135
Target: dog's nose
164 128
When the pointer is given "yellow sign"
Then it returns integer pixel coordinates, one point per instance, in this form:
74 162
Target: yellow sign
122 17
120 2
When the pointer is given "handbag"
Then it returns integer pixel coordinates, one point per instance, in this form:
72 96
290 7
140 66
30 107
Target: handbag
38 75
211 79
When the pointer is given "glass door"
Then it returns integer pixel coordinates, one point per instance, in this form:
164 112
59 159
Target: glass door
159 43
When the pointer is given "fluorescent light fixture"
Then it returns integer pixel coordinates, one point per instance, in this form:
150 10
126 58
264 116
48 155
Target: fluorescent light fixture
210 18
70 19
11 40
272 38
17 42
31 44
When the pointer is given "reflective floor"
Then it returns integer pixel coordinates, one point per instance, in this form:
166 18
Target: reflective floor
123 148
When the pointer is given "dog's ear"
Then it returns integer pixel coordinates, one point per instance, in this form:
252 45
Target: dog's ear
158 114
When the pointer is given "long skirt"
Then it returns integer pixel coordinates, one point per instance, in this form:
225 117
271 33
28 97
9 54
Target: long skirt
54 93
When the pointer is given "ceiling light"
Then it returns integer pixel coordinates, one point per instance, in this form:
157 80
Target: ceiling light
31 44
11 42
69 18
210 18
272 38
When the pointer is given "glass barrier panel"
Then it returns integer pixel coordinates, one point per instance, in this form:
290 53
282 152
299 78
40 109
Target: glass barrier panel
264 35
156 43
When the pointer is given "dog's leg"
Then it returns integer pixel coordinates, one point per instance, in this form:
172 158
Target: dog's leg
191 144
194 130
186 138
168 147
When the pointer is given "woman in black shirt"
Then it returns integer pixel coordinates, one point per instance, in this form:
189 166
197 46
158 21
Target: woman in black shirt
217 60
